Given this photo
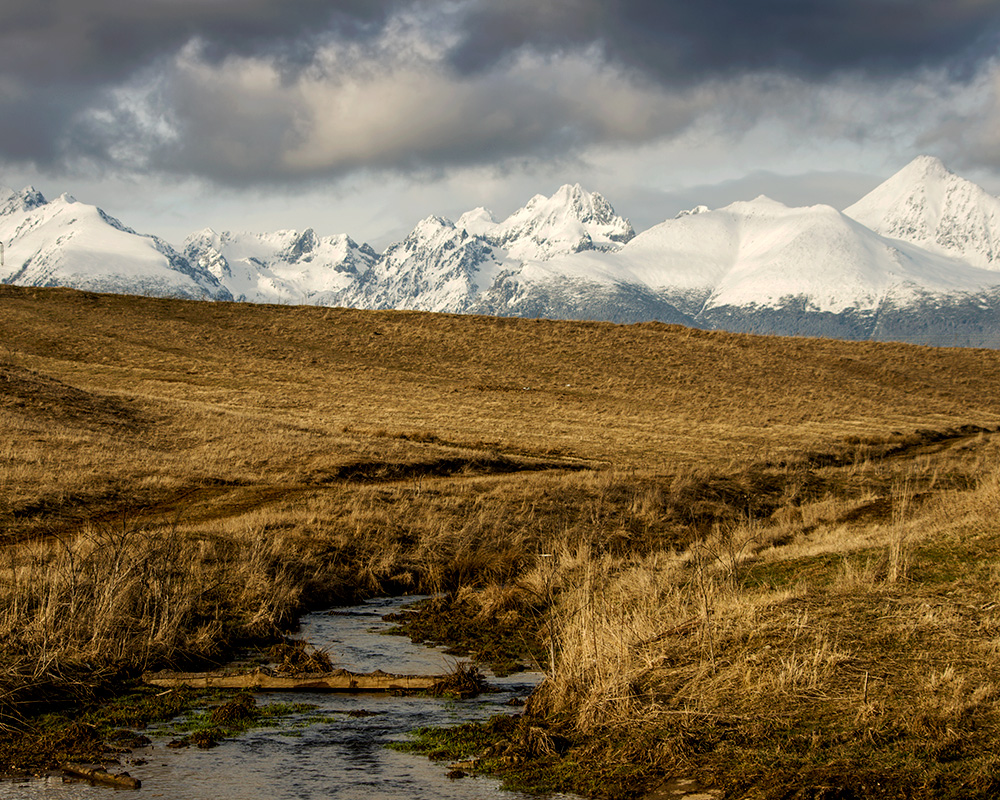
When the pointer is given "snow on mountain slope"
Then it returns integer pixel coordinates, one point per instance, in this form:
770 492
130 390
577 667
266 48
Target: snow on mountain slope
691 253
438 267
927 205
764 254
570 221
833 262
445 266
930 274
66 243
27 199
477 222
282 267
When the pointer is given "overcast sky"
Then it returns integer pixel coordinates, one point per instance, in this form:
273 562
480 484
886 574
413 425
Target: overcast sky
362 116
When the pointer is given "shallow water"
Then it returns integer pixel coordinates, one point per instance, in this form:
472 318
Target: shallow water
323 753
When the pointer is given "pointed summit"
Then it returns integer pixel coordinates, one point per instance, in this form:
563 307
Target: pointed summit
477 222
570 221
570 193
28 199
440 266
925 167
926 204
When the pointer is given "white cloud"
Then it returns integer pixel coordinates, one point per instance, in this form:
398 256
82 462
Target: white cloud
393 104
365 136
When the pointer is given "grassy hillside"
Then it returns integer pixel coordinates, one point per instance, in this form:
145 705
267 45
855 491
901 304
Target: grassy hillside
727 543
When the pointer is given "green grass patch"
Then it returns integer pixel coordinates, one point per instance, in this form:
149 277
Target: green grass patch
206 727
528 759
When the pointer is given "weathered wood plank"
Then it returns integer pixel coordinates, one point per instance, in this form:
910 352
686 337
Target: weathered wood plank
340 680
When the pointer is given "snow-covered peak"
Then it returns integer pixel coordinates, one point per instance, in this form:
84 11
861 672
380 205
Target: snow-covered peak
573 194
27 199
301 247
926 204
67 243
285 266
206 237
692 212
477 222
571 220
431 227
440 266
925 167
761 205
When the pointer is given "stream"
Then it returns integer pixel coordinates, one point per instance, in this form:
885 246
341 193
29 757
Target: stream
324 752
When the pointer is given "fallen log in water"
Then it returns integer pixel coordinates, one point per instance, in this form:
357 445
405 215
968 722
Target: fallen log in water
337 681
121 780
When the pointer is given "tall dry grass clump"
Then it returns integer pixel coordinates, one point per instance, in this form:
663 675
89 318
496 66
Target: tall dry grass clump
633 638
74 611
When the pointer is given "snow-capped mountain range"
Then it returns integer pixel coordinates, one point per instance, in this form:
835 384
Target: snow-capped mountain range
283 267
66 243
917 259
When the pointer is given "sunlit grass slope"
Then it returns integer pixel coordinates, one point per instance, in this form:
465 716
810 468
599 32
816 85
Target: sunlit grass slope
681 517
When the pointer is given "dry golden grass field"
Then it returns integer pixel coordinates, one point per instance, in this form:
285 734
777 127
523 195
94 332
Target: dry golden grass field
768 563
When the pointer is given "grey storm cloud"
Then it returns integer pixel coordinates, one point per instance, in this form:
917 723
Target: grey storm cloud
59 58
84 40
684 41
259 91
74 42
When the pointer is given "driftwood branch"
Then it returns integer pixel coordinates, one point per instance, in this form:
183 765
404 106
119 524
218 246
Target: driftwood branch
337 681
120 780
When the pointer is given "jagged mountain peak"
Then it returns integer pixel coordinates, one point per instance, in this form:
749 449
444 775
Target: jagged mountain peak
571 192
300 247
434 222
572 200
928 205
284 266
28 199
429 232
571 220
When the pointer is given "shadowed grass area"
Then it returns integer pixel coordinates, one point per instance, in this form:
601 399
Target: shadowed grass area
715 543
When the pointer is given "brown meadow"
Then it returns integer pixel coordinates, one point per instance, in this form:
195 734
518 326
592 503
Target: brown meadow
767 562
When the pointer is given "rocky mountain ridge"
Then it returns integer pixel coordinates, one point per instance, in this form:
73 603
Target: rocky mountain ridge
917 259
